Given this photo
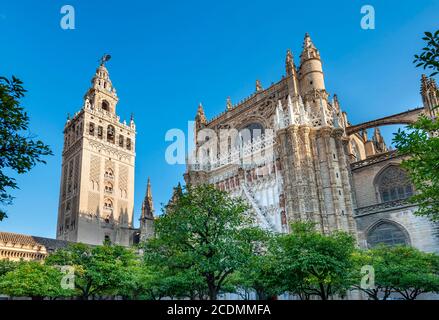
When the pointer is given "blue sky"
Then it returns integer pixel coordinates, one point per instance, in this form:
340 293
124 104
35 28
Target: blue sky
167 56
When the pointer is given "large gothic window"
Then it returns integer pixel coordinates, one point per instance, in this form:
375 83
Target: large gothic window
394 184
387 233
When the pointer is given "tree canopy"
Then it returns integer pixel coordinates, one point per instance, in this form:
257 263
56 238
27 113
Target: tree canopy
19 151
206 233
420 142
99 270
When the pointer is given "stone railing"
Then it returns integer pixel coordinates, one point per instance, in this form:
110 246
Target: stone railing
383 206
257 152
374 159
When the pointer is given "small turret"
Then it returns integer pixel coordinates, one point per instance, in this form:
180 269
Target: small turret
310 71
289 63
147 216
101 95
258 86
200 118
378 140
228 104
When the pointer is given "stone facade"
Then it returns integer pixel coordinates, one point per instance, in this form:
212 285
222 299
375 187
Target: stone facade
291 152
392 220
97 182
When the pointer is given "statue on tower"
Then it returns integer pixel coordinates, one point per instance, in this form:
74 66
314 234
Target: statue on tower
104 59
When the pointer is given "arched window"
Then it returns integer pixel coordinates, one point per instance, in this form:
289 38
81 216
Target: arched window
110 134
91 129
105 105
109 173
108 204
387 233
128 143
394 184
121 140
100 132
108 187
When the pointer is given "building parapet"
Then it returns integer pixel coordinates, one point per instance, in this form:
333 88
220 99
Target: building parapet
385 206
375 159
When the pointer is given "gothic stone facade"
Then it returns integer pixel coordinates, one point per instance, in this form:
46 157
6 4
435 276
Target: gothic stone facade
291 152
97 181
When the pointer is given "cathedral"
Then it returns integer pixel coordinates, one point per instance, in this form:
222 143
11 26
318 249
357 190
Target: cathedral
291 152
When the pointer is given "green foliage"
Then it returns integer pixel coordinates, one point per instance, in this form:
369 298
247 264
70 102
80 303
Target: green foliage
260 274
19 152
100 270
6 266
310 263
205 233
421 144
401 269
380 288
33 279
429 58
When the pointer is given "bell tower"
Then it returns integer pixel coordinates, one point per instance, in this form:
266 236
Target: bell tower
97 179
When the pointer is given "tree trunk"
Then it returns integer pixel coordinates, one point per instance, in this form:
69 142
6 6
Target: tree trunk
322 291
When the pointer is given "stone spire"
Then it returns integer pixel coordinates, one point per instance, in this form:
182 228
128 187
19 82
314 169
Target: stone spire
258 86
228 103
309 50
378 140
200 118
147 205
364 136
289 63
335 102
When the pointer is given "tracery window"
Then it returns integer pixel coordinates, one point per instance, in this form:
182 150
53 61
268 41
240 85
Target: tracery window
128 143
394 184
387 233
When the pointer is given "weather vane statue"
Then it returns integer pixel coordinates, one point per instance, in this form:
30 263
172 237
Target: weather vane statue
104 59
